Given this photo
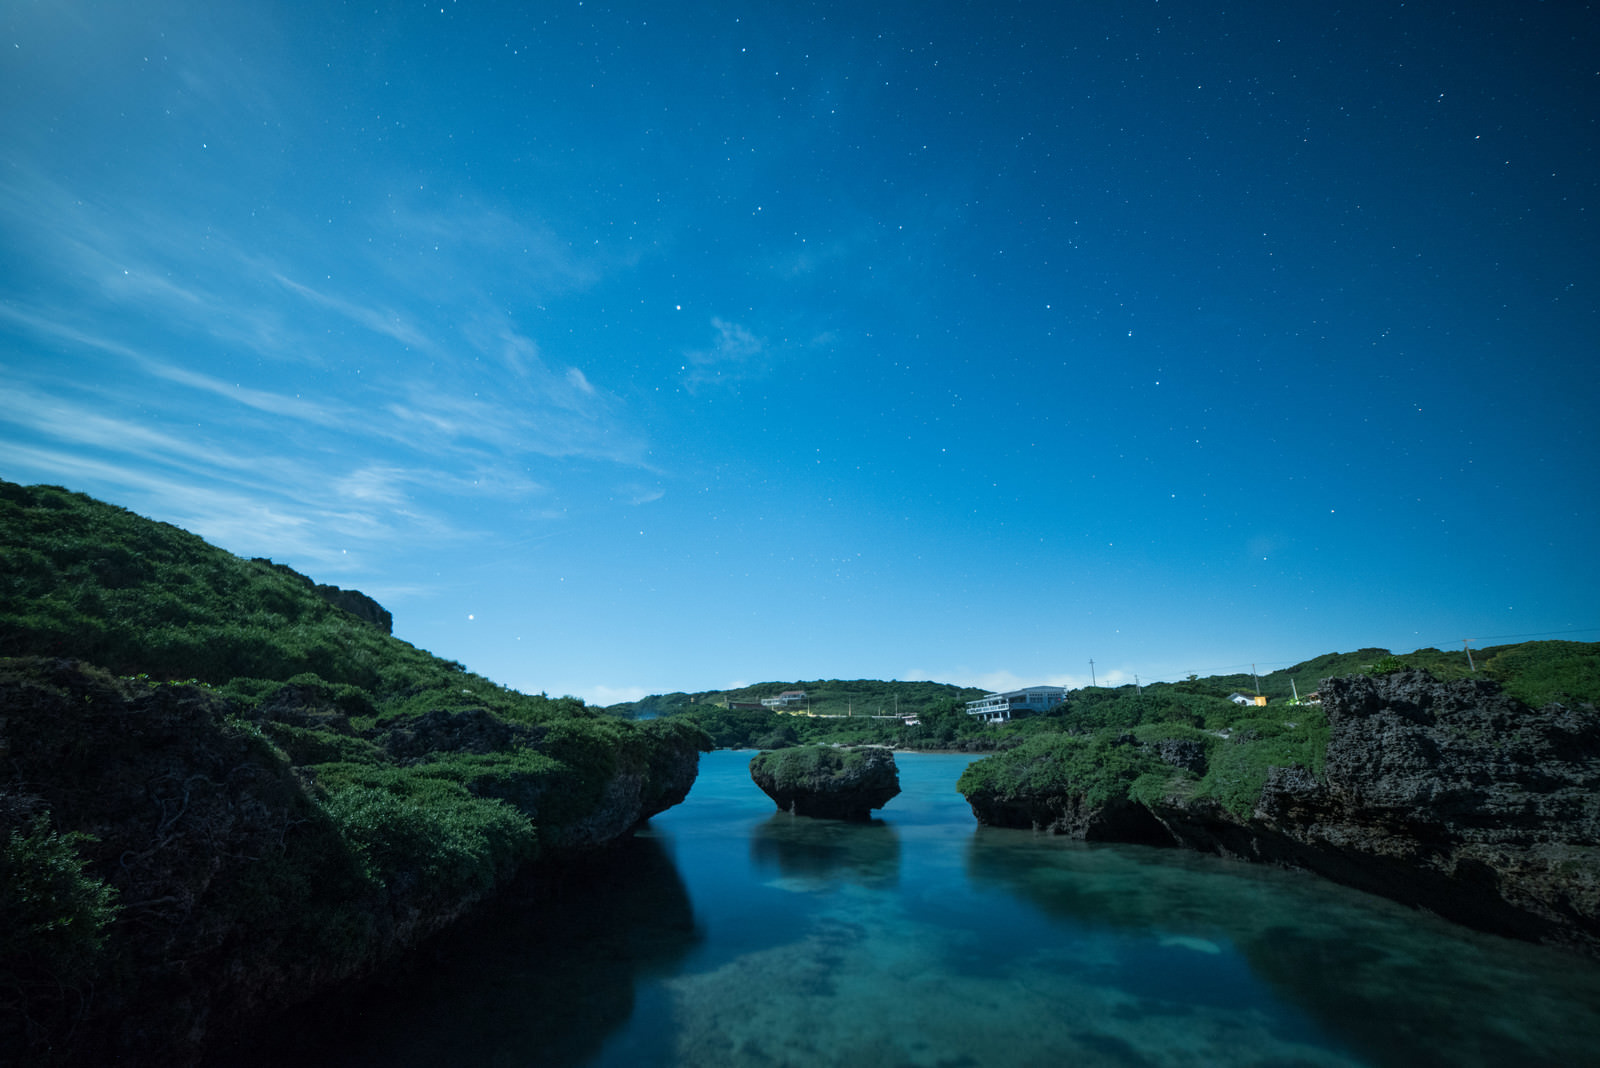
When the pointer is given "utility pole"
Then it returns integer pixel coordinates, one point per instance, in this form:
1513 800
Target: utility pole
1468 648
1136 685
1091 672
1253 675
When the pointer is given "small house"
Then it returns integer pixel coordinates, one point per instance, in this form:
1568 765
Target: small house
1002 707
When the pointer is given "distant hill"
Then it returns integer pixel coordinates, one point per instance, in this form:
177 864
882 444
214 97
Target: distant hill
1535 672
824 697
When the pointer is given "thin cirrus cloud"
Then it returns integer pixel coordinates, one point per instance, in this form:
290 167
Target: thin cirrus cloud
249 522
736 354
384 321
140 273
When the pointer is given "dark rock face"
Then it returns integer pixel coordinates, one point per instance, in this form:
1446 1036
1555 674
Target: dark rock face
1191 756
190 815
359 605
841 784
471 730
237 893
1456 798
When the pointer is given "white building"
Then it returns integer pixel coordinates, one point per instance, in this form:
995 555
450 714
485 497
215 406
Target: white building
785 700
1000 707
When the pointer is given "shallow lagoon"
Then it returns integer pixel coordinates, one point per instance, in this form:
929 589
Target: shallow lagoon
728 934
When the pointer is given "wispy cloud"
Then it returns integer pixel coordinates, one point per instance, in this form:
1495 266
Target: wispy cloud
246 523
284 396
736 354
578 381
379 320
636 493
198 480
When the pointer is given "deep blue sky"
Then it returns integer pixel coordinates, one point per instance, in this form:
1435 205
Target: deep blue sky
623 348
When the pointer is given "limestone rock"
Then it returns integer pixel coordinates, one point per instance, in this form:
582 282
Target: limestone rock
1449 796
844 784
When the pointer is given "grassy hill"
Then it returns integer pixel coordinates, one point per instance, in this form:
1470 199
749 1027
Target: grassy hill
824 697
89 580
222 793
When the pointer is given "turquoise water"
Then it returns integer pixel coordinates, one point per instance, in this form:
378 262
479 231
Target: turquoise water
728 934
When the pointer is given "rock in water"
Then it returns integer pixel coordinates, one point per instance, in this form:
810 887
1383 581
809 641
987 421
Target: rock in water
1457 798
840 784
1448 796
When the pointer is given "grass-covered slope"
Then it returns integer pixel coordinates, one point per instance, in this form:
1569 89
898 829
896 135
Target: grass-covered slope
89 580
221 793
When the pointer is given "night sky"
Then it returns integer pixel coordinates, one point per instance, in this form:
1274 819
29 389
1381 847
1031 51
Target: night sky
628 348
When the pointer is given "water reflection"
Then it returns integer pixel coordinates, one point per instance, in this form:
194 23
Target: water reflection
545 979
827 851
921 940
1392 985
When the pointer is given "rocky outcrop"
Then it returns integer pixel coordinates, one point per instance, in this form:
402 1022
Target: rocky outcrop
239 884
1448 796
355 602
1453 797
210 845
471 730
844 784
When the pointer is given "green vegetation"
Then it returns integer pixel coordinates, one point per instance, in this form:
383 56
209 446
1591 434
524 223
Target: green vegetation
1237 765
1157 760
1541 672
96 582
798 767
56 913
855 698
1100 767
1082 750
278 792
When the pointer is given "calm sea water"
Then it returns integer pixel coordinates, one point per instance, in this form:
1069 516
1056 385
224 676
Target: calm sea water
728 934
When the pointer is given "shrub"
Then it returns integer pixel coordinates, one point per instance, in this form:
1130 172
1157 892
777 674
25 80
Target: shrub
1100 768
434 836
1238 765
52 933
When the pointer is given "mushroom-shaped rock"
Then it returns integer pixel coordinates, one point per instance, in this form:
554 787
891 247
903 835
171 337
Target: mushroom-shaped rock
840 784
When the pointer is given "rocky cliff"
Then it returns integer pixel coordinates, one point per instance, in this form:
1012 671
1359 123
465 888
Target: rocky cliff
172 869
1449 796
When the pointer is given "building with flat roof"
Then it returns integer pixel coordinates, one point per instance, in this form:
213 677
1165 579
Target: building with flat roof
1013 704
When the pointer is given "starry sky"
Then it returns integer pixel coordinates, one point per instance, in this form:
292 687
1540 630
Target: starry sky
623 348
